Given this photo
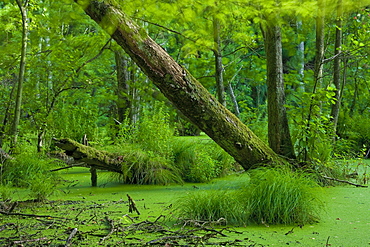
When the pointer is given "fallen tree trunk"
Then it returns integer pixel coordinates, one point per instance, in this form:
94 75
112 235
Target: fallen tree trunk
90 156
181 88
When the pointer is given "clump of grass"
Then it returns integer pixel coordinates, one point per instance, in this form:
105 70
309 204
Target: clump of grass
146 167
280 196
211 206
272 196
29 170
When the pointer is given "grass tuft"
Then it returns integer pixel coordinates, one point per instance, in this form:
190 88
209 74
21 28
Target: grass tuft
280 196
271 196
212 205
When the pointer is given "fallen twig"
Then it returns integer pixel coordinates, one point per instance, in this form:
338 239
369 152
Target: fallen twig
112 230
3 227
29 240
73 233
30 215
131 205
344 181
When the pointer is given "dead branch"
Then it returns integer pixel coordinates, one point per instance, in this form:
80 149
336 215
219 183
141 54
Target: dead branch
3 227
30 215
344 181
73 233
111 231
30 240
67 167
132 206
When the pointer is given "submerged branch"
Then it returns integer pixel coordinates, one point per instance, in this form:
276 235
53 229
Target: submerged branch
345 181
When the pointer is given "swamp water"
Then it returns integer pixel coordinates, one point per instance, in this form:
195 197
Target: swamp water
94 212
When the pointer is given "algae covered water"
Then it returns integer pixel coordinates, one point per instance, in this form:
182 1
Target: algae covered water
82 215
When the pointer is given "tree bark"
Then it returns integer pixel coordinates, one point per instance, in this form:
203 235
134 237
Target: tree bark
123 88
218 62
320 45
22 67
278 127
337 68
181 88
318 69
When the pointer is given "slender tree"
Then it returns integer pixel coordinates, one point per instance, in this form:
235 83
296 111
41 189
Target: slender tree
22 67
218 61
337 66
123 88
278 127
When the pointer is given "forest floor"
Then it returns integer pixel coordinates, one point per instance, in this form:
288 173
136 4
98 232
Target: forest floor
79 215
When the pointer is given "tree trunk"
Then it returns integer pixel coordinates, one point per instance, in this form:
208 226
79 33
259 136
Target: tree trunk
181 88
320 46
301 59
123 88
218 62
318 69
278 128
22 68
337 68
233 99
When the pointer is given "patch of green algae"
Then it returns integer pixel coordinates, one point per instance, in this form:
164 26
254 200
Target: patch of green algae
346 221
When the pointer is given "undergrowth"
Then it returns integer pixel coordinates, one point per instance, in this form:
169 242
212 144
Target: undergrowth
28 170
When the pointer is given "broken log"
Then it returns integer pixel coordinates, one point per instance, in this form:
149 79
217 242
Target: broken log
92 157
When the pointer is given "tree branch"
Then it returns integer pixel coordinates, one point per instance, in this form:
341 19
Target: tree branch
345 181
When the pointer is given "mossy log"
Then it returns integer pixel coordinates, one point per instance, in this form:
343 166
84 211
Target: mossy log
92 157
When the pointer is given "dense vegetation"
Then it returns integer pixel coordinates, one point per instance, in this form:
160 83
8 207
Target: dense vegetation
61 76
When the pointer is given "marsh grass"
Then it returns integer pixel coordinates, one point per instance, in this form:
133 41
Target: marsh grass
280 196
271 196
213 205
32 171
146 167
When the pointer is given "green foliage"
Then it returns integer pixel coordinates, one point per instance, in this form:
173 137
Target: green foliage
157 157
200 160
74 121
312 129
148 151
6 191
153 132
355 133
41 188
280 196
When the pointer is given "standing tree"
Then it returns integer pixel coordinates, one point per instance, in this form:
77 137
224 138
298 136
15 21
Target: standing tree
22 67
337 66
278 127
218 61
